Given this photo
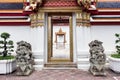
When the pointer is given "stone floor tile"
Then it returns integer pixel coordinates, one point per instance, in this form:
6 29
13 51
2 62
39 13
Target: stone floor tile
58 74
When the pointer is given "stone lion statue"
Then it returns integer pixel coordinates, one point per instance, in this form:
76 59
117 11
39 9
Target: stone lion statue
97 58
24 58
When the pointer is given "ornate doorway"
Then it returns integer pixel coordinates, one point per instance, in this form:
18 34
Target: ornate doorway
60 38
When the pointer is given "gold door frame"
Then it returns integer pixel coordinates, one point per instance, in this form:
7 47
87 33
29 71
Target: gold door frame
49 30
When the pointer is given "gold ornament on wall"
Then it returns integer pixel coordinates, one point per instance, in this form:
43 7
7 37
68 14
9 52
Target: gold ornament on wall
84 3
33 18
79 18
83 19
37 19
40 19
86 19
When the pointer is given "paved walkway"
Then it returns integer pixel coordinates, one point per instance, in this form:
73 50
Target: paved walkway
74 74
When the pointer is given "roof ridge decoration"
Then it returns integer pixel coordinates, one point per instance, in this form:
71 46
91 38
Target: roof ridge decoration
83 19
86 4
33 5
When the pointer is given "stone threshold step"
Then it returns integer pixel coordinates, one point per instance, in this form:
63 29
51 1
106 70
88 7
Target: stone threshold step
58 68
61 65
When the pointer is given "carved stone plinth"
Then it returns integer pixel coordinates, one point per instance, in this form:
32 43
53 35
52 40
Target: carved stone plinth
24 59
97 58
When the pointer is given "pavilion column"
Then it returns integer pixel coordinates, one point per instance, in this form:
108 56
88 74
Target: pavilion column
37 38
83 31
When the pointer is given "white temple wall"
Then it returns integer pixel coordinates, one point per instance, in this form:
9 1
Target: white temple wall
82 36
85 35
35 36
17 33
106 34
103 33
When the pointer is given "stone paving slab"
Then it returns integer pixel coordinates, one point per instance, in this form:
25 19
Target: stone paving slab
71 74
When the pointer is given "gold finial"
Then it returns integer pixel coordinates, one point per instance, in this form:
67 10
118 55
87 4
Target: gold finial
60 30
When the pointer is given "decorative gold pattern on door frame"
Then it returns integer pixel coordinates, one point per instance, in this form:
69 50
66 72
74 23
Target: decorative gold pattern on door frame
49 39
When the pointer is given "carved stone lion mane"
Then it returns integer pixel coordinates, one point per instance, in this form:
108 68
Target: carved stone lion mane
97 58
24 58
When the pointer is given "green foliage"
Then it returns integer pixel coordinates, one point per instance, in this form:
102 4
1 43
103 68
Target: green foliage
1 47
10 47
115 55
11 50
5 35
5 44
6 57
117 43
117 35
1 42
10 42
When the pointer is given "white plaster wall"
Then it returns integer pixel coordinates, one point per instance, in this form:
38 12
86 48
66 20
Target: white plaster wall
17 33
106 34
83 35
35 36
37 39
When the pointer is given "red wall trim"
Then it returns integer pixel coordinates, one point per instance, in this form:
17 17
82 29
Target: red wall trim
15 23
105 23
93 12
28 23
109 13
12 14
25 13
